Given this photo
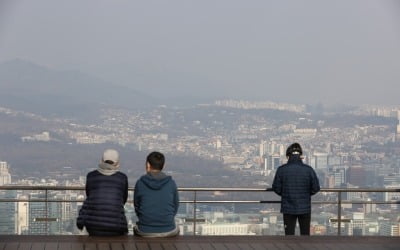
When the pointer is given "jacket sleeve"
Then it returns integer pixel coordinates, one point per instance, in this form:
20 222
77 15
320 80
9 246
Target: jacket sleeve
136 198
87 188
314 183
126 190
277 183
80 221
176 200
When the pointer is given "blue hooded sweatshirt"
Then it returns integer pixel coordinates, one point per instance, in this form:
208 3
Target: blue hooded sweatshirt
156 203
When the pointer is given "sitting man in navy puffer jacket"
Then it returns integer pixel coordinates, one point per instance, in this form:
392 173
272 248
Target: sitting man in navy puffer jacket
156 200
102 212
296 182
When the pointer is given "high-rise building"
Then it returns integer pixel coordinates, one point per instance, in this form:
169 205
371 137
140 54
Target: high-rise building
392 196
8 209
310 160
218 144
369 208
356 176
262 148
69 211
398 131
330 181
390 179
5 177
37 215
267 171
44 217
334 160
272 147
321 161
389 228
274 161
282 150
339 177
22 216
358 224
8 212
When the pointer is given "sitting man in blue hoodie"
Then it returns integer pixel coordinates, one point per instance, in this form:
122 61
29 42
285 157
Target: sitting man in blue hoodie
156 200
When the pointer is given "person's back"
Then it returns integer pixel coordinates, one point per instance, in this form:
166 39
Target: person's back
156 200
102 212
296 186
295 182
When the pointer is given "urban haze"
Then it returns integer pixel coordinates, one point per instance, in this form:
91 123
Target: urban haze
292 51
220 87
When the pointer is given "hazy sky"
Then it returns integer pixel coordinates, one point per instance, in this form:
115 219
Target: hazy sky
341 51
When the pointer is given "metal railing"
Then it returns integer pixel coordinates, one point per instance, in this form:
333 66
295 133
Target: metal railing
339 201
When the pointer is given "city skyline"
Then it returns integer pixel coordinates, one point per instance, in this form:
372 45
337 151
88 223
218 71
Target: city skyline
225 135
229 143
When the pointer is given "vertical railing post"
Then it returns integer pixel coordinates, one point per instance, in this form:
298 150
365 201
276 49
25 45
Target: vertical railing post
339 213
194 212
46 211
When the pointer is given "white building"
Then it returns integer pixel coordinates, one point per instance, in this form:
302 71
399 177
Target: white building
225 229
5 177
392 196
358 224
45 136
321 160
389 228
22 215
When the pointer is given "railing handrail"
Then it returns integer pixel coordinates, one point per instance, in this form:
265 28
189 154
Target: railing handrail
200 189
195 201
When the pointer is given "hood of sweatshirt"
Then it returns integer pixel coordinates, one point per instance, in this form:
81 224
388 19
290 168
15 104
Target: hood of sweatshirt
155 181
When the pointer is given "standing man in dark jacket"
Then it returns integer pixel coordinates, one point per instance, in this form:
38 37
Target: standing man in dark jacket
295 182
102 212
156 200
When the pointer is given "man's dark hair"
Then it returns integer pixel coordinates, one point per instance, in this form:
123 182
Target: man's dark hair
295 148
156 160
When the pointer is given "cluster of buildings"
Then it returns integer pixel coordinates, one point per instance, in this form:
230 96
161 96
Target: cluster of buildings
252 142
241 104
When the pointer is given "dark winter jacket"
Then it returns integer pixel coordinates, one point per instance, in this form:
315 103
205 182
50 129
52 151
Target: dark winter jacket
156 203
102 212
295 182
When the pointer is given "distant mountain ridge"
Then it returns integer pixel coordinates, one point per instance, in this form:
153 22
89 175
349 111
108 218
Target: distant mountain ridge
31 87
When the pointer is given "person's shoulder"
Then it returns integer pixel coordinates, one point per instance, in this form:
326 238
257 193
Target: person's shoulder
140 179
170 179
121 174
308 167
93 173
282 166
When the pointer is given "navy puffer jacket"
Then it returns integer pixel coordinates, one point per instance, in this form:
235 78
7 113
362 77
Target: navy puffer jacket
295 182
102 212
